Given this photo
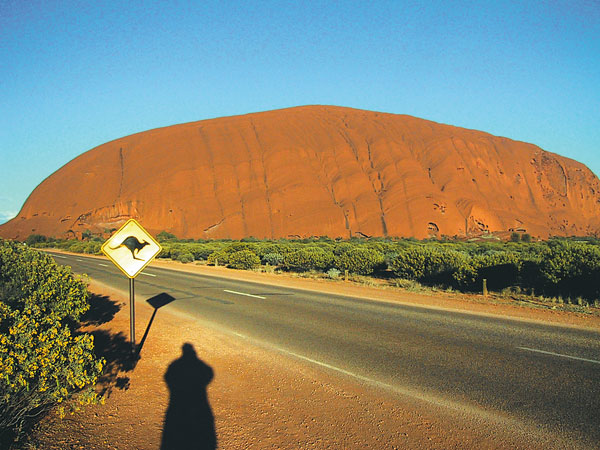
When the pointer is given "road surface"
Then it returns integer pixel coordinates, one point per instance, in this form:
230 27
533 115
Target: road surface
522 374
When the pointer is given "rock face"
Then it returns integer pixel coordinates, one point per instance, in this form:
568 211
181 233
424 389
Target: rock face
312 171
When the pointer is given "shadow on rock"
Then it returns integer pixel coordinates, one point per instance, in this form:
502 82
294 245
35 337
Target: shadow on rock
189 421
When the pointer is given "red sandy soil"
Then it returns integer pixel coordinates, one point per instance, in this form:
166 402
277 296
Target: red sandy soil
315 171
263 399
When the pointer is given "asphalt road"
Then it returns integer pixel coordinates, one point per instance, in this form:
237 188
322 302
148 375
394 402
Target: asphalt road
496 368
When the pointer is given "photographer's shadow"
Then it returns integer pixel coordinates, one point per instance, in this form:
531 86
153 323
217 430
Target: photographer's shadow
189 421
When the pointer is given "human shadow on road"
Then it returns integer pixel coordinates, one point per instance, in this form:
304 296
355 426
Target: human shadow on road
189 421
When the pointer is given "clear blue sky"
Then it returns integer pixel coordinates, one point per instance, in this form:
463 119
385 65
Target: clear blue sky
76 74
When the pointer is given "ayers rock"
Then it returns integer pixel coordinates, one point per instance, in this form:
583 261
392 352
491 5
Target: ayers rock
312 171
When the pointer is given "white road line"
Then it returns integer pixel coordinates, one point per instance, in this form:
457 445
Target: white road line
103 265
337 369
79 259
322 364
407 391
149 274
559 354
243 293
58 256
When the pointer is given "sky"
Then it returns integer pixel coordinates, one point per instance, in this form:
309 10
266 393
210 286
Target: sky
77 74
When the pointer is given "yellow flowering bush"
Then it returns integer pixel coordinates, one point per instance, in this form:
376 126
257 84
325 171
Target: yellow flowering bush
42 359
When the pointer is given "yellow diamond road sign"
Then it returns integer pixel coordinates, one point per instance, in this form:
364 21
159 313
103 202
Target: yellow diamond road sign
131 248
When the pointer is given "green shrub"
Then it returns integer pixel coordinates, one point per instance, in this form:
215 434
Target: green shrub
309 258
381 246
34 239
166 250
333 273
238 246
342 247
244 259
440 264
164 236
185 257
571 269
42 360
201 252
267 248
409 263
220 257
500 269
77 246
466 275
273 259
177 249
92 247
361 261
435 265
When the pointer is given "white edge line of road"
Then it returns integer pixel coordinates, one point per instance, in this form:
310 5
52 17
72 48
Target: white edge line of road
243 293
103 265
433 399
535 350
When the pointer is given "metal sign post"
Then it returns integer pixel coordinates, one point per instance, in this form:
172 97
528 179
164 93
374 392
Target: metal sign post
132 311
131 249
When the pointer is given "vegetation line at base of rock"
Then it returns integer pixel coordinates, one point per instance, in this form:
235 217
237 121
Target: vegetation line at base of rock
560 271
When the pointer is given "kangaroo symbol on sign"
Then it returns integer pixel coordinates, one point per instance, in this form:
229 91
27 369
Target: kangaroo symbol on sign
133 245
